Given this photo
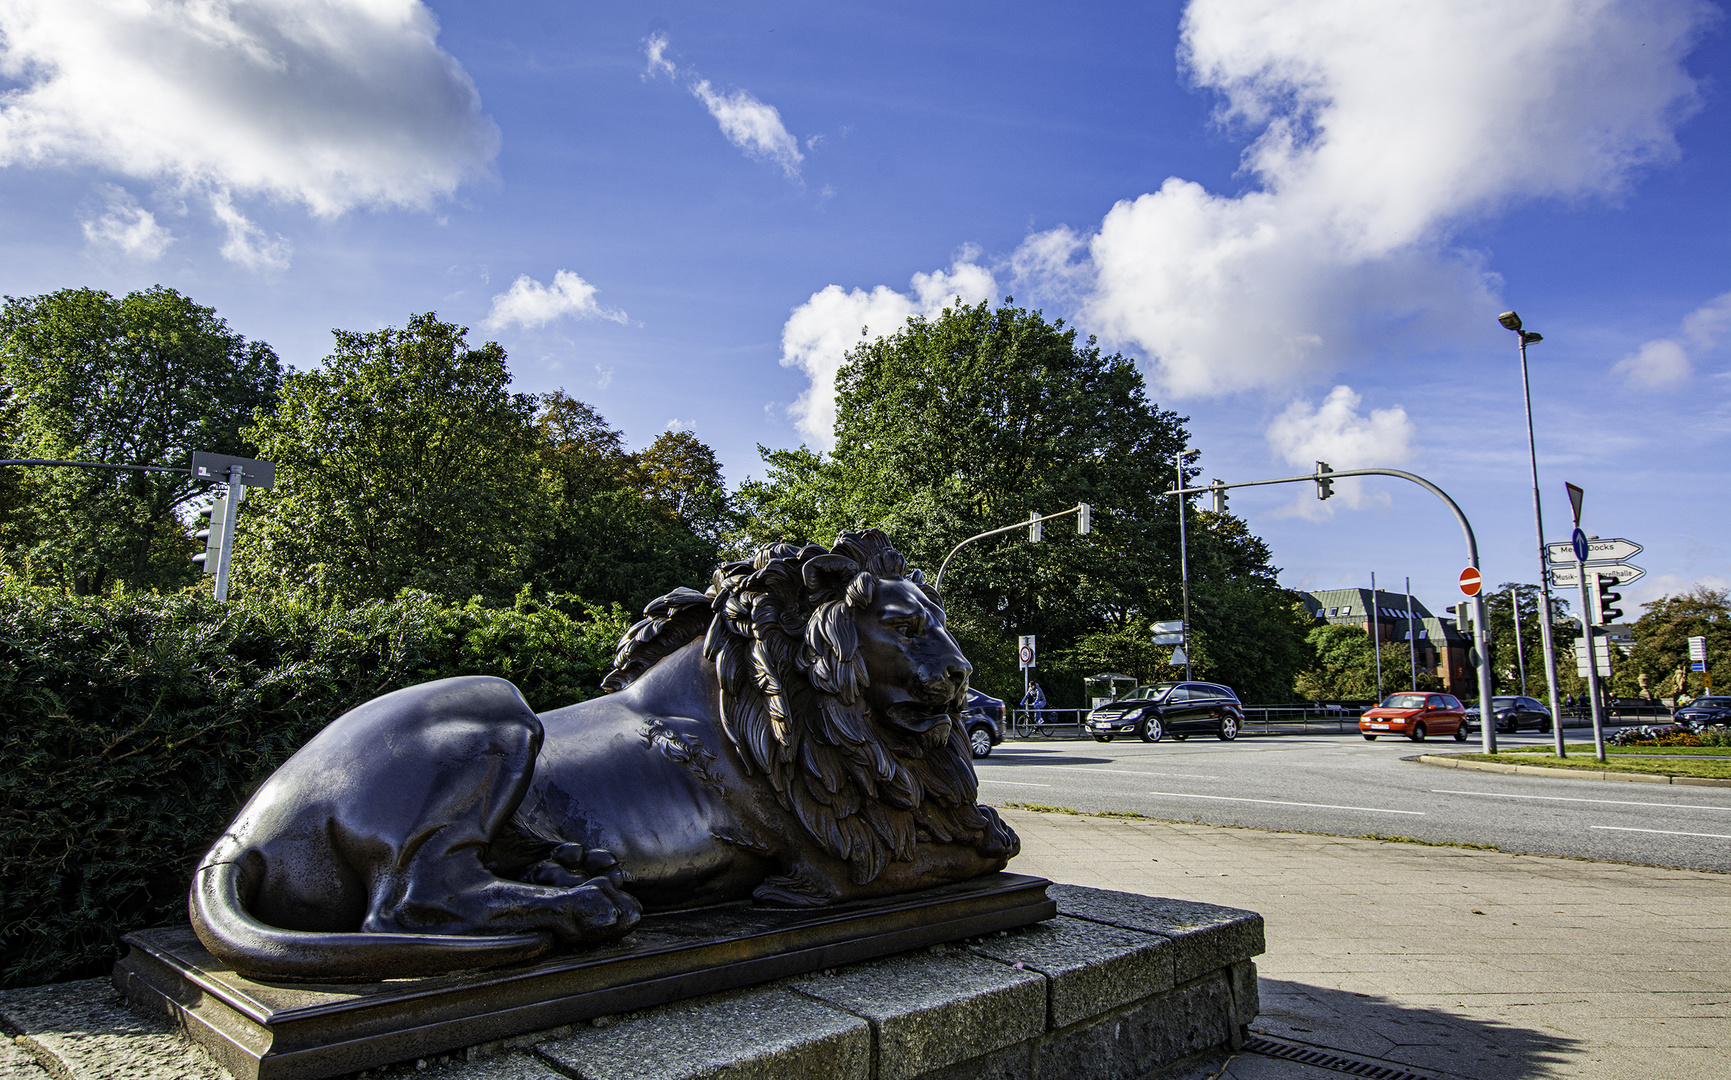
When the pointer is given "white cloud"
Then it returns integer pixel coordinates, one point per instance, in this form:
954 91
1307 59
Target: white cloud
247 244
1666 362
1658 586
820 331
655 48
752 125
1337 433
127 227
333 104
530 304
1378 129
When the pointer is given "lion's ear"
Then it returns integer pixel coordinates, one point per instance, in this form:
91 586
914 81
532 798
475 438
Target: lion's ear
827 575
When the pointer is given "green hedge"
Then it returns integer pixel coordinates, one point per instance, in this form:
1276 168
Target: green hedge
135 725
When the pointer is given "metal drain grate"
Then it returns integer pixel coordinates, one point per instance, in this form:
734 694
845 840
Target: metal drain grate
1325 1059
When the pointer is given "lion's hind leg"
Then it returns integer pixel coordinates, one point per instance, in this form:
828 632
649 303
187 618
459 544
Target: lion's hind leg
474 763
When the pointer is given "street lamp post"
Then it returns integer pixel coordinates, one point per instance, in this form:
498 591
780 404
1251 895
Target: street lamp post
1512 321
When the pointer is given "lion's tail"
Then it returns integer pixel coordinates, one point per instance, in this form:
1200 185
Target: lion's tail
258 950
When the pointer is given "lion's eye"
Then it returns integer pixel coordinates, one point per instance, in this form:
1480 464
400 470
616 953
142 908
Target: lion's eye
906 630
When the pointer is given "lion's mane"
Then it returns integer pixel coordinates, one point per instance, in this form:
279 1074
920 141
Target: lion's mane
780 630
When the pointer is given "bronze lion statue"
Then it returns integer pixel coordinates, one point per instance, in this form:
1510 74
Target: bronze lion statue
792 735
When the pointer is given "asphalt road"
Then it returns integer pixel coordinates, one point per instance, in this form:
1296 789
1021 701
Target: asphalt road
1344 785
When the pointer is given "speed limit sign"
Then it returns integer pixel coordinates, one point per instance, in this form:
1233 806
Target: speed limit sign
1025 651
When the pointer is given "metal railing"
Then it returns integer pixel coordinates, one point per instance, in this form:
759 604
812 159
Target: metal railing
1258 720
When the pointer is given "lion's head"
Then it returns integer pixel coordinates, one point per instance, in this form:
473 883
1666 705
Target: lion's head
841 684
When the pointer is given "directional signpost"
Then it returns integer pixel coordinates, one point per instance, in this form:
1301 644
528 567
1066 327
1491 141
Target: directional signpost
1580 546
1562 576
1698 659
1170 632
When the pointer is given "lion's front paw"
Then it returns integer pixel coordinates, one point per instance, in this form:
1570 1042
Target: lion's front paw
997 840
570 865
598 910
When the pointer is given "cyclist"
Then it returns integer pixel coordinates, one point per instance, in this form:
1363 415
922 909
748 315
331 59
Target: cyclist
1034 702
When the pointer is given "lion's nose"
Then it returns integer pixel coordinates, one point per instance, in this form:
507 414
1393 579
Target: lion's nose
956 674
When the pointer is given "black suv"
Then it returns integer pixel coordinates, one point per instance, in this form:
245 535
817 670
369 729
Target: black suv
1181 709
984 720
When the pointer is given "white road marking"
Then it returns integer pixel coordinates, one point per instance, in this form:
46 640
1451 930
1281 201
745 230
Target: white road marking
1011 783
1282 802
1662 832
1572 798
1128 772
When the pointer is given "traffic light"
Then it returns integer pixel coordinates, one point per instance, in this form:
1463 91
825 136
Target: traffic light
1324 486
1608 613
211 534
1463 620
1218 487
1084 519
1035 530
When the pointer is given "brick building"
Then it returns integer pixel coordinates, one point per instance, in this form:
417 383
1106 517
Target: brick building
1442 649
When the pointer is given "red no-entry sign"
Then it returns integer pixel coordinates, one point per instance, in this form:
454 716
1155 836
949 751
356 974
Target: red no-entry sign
1470 581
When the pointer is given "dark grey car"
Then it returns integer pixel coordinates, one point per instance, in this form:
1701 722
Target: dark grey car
1513 713
1178 709
984 722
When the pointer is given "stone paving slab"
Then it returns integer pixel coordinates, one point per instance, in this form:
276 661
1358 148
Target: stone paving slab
90 1034
749 1035
934 1011
1578 969
1089 969
17 1063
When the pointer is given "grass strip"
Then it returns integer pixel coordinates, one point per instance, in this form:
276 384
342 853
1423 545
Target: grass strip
1587 748
1711 767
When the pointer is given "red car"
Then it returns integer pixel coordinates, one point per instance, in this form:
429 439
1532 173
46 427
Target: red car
1415 716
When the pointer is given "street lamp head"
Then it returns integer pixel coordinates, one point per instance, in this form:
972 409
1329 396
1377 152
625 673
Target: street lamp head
1510 321
1531 337
1188 454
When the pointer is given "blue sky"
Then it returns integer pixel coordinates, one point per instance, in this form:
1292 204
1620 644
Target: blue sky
1302 219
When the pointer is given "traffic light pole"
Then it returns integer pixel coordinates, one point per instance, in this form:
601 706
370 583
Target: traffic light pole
1592 664
1084 525
230 508
1487 715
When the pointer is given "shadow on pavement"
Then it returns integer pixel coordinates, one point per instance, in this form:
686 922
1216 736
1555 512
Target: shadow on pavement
1003 756
1426 1041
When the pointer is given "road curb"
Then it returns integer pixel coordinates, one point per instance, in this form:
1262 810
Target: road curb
1579 774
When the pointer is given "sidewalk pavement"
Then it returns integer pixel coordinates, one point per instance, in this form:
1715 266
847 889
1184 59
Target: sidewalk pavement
1441 961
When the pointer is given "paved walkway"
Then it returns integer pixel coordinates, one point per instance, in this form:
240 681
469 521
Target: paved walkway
1448 962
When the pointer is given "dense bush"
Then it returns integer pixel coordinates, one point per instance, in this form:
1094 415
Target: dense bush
136 724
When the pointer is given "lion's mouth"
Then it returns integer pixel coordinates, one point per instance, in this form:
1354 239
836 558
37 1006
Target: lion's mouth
914 717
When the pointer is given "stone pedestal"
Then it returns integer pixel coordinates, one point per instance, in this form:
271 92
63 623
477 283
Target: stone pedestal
300 1031
1116 987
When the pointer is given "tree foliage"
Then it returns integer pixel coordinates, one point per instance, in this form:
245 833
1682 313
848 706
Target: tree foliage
1659 662
1343 666
402 462
144 379
979 416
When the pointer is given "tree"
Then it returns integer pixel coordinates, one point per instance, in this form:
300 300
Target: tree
613 530
1505 661
141 380
678 471
402 462
972 419
1343 666
1659 661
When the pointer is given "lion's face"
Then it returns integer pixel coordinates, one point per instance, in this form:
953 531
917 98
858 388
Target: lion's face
919 677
